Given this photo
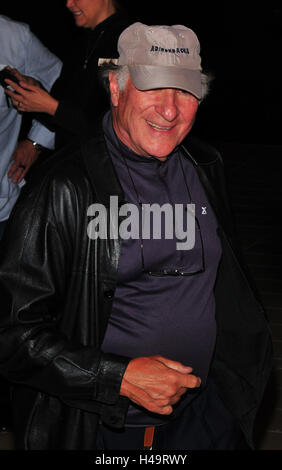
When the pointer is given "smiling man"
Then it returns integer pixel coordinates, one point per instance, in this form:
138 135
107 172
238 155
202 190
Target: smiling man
129 343
155 122
158 119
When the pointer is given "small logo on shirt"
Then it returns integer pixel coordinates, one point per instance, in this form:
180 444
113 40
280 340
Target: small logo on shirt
204 211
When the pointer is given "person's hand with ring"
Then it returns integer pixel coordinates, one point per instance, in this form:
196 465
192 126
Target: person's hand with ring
23 157
30 98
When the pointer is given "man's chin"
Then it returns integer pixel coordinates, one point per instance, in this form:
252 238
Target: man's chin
162 154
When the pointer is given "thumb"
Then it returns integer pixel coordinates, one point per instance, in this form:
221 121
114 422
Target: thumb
175 365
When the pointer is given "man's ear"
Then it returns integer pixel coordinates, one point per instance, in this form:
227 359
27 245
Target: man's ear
114 89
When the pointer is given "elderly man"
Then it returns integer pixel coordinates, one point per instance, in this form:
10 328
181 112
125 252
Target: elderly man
124 340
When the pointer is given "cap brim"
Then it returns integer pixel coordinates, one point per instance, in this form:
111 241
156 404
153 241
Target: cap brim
149 77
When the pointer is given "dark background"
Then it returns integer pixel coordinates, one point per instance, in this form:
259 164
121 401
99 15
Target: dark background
241 45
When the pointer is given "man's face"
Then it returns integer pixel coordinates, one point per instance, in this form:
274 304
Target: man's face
153 122
87 13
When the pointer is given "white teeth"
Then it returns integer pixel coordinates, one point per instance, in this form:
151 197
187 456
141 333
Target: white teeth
155 126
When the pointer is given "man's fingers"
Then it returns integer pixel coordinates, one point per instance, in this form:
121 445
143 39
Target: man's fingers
191 381
152 383
175 365
140 397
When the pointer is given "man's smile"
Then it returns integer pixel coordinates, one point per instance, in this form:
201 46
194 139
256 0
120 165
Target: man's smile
159 128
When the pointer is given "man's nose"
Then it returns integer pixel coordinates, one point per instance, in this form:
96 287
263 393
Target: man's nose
167 106
69 3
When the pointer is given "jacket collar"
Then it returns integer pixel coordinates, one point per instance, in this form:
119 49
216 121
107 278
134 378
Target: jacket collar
209 166
199 152
105 181
101 170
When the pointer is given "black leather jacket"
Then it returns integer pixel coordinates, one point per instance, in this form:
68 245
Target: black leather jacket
56 291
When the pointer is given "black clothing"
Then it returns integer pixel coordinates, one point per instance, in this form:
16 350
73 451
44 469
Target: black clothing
56 289
204 425
82 98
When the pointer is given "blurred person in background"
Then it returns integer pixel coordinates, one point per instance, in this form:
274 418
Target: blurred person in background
22 50
77 98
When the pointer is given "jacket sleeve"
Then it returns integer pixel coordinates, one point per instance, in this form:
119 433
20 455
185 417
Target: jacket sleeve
35 267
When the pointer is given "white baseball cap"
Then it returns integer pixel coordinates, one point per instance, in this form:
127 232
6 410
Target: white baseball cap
161 57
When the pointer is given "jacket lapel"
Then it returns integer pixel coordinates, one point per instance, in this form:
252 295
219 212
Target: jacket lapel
208 164
206 160
101 170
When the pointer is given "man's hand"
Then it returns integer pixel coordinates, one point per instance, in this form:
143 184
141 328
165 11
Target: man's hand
23 157
157 383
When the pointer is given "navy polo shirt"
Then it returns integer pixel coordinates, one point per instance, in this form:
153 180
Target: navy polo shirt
172 316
